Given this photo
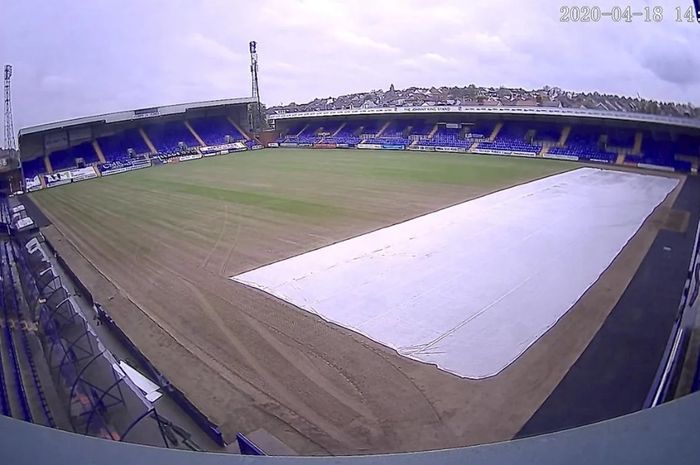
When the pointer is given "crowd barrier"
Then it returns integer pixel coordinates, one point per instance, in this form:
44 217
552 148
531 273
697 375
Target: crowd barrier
451 149
222 148
67 176
392 147
514 153
557 156
115 168
654 167
192 156
369 146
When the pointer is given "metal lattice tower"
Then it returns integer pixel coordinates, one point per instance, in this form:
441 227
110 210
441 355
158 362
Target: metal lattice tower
9 125
254 75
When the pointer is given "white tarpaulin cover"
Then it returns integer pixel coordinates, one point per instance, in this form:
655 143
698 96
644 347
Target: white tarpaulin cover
471 287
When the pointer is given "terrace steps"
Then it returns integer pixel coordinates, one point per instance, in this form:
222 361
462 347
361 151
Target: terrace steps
339 129
147 140
564 136
98 151
47 164
620 158
245 134
383 128
495 131
474 146
195 135
433 131
297 135
638 139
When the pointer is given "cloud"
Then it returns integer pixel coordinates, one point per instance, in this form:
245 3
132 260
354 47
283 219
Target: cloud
212 48
112 55
678 64
437 58
352 39
53 83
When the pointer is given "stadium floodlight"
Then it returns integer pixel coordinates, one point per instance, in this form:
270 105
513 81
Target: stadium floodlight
256 120
9 125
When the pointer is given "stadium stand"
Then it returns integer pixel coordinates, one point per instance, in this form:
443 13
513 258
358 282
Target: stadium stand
660 150
511 137
346 134
63 159
448 137
166 137
368 128
546 133
328 128
116 147
33 167
395 132
620 138
583 143
214 131
25 355
421 128
688 145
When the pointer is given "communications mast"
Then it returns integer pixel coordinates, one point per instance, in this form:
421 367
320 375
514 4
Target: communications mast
256 120
9 125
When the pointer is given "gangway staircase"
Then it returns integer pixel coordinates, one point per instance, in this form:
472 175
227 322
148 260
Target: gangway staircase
148 142
495 131
98 151
195 135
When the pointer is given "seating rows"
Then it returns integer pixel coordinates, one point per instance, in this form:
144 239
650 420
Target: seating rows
508 143
421 127
447 137
116 147
583 143
546 132
10 346
4 401
620 138
63 159
213 131
33 167
10 257
167 137
661 150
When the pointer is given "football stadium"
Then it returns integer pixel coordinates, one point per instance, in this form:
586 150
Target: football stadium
352 280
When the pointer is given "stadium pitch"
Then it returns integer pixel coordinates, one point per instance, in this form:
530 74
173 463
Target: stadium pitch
157 247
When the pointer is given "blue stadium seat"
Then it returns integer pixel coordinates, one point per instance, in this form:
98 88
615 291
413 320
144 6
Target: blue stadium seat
116 147
214 130
166 137
33 167
63 159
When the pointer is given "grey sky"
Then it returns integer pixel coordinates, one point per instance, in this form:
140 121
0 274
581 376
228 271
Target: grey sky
76 58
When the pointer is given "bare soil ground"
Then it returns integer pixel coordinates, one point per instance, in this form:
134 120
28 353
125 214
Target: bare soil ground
157 247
